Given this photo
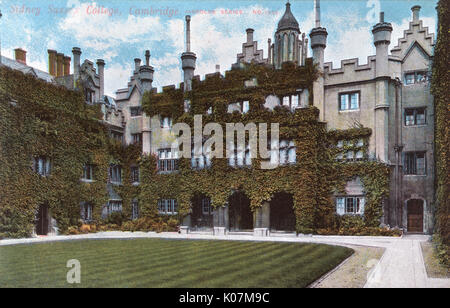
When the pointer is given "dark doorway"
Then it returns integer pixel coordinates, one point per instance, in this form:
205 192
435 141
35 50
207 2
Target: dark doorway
240 214
42 220
282 216
202 213
415 215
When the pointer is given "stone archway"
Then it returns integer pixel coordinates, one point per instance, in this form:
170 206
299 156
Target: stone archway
240 213
282 215
415 215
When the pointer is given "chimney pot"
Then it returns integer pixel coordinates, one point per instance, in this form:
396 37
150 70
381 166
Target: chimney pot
137 64
416 11
217 68
147 57
381 17
250 35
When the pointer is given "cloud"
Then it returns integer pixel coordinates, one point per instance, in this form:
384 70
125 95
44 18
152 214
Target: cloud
116 76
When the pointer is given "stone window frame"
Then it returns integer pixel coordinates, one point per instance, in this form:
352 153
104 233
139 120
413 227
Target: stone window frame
349 93
410 167
415 109
342 208
167 206
135 111
88 172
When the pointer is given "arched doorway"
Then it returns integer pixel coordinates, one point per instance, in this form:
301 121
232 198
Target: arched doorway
282 216
240 214
42 220
415 215
202 213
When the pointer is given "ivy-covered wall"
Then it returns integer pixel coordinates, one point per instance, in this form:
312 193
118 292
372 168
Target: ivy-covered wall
312 180
41 119
440 86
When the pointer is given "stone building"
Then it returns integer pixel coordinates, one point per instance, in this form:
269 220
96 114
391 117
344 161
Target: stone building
390 95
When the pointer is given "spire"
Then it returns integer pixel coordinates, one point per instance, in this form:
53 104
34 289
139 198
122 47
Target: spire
317 12
288 20
188 33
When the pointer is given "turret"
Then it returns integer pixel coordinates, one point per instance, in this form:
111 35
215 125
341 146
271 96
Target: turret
286 39
382 38
318 37
146 73
188 58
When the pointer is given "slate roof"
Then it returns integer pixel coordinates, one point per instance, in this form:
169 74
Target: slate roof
288 21
13 64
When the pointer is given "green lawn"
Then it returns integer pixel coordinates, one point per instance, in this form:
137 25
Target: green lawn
168 263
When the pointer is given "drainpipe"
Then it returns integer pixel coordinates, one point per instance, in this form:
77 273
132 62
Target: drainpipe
398 209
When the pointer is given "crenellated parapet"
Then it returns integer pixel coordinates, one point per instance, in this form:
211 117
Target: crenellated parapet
350 70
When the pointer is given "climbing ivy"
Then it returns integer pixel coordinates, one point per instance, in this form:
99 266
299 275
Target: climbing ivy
312 180
440 86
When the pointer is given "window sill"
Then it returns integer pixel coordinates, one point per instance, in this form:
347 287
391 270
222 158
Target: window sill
136 183
411 126
116 183
170 214
349 110
87 181
418 175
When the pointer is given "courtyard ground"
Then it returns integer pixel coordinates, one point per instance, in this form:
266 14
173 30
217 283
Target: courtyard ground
434 268
169 263
401 265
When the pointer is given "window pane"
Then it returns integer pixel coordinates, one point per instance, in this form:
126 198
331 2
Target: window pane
354 101
292 156
344 102
245 106
420 117
294 101
409 78
420 163
286 101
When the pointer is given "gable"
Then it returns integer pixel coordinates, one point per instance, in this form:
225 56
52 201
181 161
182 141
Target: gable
416 58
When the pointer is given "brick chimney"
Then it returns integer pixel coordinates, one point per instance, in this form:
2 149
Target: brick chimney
52 62
66 64
59 64
20 55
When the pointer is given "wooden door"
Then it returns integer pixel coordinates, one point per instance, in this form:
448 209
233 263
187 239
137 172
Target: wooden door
415 215
42 221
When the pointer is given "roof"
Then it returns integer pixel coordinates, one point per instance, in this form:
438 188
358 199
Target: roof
288 21
15 65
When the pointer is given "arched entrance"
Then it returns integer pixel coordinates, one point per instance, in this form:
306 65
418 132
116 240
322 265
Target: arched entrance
415 215
42 221
240 214
282 216
202 213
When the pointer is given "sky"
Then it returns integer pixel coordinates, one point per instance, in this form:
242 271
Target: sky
120 30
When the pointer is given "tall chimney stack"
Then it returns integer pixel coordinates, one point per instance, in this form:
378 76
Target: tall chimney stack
67 60
317 12
217 68
188 58
20 55
188 33
416 13
76 63
59 64
101 75
52 62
